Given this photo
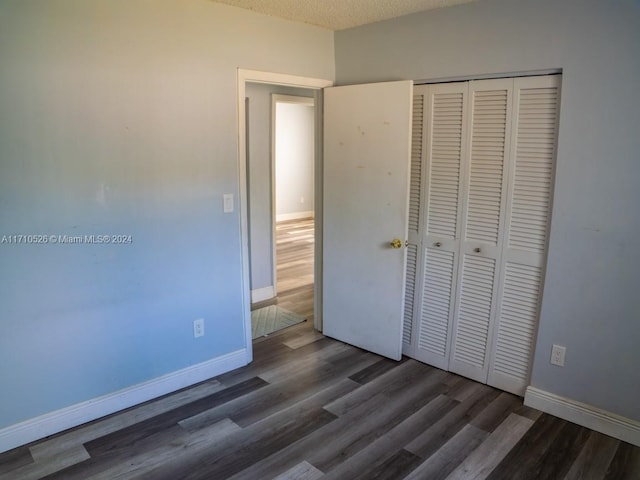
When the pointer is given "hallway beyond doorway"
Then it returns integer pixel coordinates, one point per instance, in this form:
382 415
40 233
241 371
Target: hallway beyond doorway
295 268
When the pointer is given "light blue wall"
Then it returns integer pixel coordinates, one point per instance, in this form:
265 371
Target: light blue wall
119 117
591 302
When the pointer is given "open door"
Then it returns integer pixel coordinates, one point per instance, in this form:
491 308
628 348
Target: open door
367 151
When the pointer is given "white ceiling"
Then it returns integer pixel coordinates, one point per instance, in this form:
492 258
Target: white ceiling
340 14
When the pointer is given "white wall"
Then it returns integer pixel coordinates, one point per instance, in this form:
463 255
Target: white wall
590 302
294 159
119 117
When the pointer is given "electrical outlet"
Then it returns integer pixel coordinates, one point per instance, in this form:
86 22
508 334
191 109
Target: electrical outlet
557 355
301 199
198 328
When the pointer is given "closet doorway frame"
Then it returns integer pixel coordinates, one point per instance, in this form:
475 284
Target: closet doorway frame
408 347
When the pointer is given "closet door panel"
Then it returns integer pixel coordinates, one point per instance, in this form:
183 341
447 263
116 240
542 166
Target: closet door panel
436 306
517 327
485 184
445 149
417 160
473 316
482 225
445 145
536 109
411 285
416 180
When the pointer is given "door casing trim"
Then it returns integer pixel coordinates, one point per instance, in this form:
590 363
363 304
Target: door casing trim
257 76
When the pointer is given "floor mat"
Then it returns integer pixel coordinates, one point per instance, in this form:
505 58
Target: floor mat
270 319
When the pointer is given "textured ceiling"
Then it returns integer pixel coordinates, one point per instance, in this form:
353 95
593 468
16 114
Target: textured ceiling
340 14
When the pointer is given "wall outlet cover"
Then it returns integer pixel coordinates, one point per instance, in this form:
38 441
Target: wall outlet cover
558 353
198 328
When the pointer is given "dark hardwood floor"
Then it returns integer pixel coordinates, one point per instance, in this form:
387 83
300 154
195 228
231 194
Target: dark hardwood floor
309 407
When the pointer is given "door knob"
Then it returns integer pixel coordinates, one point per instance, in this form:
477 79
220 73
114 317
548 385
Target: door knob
396 243
477 249
437 244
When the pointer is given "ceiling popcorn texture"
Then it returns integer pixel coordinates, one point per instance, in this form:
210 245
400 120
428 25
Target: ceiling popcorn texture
340 14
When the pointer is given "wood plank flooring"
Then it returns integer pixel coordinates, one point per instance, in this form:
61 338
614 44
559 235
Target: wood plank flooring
309 408
294 251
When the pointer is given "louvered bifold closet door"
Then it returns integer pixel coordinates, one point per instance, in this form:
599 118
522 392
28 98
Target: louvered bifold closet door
482 226
412 280
536 109
445 137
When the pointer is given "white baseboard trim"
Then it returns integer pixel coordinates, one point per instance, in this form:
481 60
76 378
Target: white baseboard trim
586 415
262 294
59 420
283 217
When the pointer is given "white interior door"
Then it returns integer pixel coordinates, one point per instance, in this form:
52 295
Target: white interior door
367 149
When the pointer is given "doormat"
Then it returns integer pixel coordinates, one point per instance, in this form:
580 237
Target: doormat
270 319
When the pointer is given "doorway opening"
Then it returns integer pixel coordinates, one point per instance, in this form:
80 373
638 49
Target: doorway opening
293 152
296 283
280 186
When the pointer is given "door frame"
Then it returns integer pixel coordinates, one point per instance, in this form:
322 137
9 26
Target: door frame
256 76
275 99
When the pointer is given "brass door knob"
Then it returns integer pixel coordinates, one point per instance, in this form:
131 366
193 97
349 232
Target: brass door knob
396 243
